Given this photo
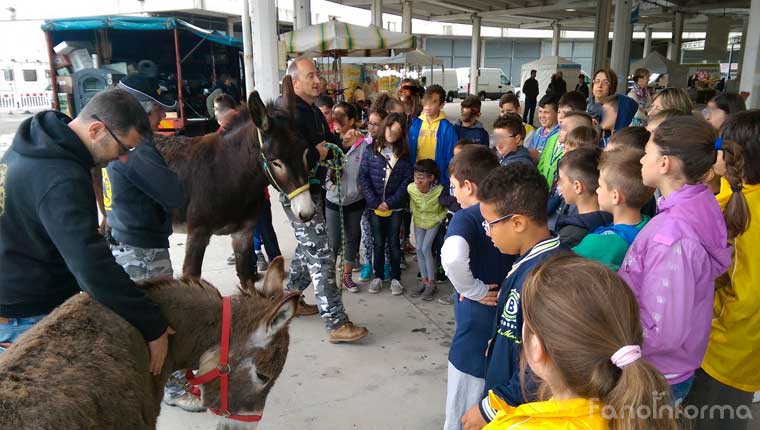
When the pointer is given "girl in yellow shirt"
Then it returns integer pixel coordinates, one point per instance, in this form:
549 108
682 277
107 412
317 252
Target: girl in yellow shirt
730 371
582 338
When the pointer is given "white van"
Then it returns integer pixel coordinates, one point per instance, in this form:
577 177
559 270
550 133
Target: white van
448 80
492 83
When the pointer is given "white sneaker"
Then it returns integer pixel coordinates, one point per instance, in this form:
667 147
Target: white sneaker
396 288
187 402
374 286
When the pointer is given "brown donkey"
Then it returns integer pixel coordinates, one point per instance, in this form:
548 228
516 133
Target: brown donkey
84 367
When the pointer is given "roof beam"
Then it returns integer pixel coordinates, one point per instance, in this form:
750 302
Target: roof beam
535 10
452 6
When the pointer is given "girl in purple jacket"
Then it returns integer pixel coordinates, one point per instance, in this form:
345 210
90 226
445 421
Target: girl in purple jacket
674 261
385 172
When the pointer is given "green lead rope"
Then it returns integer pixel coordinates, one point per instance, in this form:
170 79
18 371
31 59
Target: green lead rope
337 163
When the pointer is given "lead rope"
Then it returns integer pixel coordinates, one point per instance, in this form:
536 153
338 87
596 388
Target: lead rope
337 163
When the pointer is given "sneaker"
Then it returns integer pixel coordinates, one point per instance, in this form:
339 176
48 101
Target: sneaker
387 271
261 262
419 290
357 269
305 309
448 300
396 288
366 274
419 276
440 276
374 286
231 259
429 293
187 402
348 332
349 283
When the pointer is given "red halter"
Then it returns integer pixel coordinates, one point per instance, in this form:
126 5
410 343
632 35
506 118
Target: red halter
222 371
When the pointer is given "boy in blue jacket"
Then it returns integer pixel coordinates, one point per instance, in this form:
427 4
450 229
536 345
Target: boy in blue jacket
619 111
513 204
432 135
468 126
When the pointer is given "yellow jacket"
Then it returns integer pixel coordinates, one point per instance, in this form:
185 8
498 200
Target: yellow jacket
731 356
572 414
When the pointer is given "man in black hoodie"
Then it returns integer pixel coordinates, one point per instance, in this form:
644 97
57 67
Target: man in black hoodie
50 248
313 261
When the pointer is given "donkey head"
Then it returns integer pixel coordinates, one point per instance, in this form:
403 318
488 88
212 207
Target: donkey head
258 347
285 149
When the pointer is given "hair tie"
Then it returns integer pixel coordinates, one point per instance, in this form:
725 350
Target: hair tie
737 188
626 355
718 144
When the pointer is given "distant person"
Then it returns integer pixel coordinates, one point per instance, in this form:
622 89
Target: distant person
557 86
359 95
228 86
530 89
640 94
582 86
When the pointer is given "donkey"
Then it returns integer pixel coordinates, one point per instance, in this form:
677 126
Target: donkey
84 367
225 176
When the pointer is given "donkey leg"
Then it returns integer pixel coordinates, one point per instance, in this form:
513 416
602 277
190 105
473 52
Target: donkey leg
197 241
242 244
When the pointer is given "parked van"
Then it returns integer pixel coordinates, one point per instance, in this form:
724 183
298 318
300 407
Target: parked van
448 80
492 83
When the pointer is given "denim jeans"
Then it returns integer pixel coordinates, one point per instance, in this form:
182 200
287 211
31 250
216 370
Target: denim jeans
424 239
15 327
264 234
386 230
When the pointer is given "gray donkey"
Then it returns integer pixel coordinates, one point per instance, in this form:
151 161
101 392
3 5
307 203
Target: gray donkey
84 367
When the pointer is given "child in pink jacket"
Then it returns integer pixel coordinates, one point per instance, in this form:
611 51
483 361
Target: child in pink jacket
674 261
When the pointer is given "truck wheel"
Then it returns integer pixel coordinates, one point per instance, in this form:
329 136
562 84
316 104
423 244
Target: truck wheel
482 96
449 98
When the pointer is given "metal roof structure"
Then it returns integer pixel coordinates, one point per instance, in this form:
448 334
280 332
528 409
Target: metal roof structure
570 14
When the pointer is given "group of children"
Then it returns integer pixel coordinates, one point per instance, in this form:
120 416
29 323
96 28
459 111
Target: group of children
595 269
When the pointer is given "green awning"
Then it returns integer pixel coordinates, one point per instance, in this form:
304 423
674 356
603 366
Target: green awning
138 23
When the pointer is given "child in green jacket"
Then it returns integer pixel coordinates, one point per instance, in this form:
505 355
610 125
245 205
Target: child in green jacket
428 215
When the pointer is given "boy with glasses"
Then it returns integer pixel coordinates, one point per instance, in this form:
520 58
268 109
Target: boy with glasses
513 205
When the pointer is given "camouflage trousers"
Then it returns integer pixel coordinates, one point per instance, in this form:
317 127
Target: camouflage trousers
143 263
313 263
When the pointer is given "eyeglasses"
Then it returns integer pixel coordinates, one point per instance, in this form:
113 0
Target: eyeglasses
488 224
599 82
123 149
373 124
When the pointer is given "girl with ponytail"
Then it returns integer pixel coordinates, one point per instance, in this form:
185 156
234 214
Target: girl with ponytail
582 340
730 372
673 263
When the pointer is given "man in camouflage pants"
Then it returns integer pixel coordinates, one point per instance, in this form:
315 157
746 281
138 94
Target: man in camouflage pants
313 261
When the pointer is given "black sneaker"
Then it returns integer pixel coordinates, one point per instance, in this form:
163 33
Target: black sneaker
429 293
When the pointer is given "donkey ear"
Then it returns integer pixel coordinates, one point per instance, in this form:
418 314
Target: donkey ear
277 319
258 111
288 95
274 278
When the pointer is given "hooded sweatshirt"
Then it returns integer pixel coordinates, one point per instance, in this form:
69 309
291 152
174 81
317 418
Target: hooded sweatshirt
573 228
627 108
519 155
477 133
445 138
50 248
671 267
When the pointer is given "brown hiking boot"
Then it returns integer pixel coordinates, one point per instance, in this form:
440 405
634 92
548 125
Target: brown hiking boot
348 332
305 309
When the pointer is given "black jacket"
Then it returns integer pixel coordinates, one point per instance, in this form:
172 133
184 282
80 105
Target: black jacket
573 228
530 88
312 125
50 248
139 197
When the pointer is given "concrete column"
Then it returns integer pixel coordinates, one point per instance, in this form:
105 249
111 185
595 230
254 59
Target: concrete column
475 55
674 49
406 17
716 38
750 77
555 39
621 43
377 13
265 46
302 14
247 49
647 40
602 36
230 27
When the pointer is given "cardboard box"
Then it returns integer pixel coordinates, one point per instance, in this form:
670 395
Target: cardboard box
66 48
62 61
80 59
